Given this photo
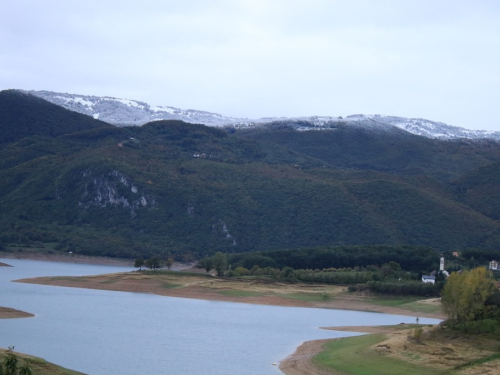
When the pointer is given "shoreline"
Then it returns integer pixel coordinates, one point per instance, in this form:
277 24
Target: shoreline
9 313
300 362
215 289
67 258
207 288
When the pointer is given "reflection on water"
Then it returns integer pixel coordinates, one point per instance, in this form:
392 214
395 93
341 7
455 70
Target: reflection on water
102 332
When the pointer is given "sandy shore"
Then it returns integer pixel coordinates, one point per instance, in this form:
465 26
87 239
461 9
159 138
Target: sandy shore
299 363
8 313
229 290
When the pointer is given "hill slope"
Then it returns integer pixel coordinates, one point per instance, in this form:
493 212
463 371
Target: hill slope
190 190
23 115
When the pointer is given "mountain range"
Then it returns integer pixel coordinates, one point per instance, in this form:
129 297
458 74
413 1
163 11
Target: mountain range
125 112
80 184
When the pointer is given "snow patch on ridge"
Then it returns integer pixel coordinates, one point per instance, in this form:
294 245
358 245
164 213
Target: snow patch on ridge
125 112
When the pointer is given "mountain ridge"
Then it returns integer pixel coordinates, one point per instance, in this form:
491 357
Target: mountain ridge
125 112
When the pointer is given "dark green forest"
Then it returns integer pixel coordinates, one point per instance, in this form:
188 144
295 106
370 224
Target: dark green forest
169 188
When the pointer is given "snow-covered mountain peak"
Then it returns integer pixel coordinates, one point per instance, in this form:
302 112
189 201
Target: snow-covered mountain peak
125 112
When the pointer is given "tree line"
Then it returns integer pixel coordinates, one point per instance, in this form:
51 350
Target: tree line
153 263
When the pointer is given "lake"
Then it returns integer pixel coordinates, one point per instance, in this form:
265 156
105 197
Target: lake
103 332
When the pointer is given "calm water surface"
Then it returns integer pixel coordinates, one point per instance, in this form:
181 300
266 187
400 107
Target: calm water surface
101 332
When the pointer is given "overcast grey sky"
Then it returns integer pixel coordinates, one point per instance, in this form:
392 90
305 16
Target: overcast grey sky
438 59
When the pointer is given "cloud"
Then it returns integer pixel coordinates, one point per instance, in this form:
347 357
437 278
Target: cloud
429 59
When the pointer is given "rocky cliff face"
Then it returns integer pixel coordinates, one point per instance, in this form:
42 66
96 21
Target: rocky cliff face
113 188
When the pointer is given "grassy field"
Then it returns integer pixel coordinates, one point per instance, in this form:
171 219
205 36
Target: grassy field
356 356
39 365
438 351
241 293
410 303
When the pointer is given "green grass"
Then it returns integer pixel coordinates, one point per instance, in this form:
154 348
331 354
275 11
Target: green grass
40 366
176 273
309 297
413 356
240 293
168 285
353 356
409 303
70 278
421 307
393 301
480 361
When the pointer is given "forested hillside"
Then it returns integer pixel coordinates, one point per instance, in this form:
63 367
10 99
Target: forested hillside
188 190
23 115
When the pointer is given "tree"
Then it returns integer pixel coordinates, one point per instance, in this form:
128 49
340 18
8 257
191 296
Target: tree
288 273
153 263
450 298
139 263
26 369
10 362
169 262
9 365
465 295
219 262
206 264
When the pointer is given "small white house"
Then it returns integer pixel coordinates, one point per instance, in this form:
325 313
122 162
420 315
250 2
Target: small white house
428 279
493 265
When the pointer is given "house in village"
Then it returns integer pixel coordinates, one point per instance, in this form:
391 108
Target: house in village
493 265
428 279
431 279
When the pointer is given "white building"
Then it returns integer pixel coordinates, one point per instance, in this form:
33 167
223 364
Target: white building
428 279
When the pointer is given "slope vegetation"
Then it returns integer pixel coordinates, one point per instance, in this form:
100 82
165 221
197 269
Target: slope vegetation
189 190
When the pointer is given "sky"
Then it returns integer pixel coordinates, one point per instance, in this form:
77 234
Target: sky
432 59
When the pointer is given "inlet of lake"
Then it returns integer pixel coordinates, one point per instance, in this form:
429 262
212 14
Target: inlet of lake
101 332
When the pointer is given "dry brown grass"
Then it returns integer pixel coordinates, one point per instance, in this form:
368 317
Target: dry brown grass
442 349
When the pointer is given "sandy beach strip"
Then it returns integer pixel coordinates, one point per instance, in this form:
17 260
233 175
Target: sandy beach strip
8 313
300 362
212 289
